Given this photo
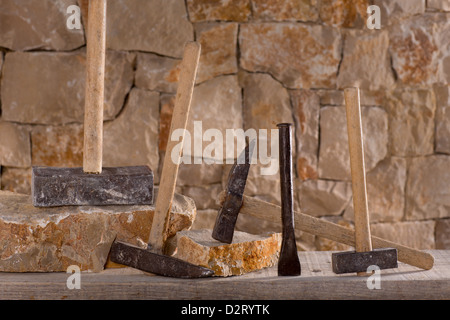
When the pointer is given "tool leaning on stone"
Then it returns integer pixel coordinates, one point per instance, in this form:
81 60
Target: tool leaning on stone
92 184
152 259
364 256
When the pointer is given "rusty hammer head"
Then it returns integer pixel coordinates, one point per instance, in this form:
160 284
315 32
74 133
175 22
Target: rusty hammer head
226 218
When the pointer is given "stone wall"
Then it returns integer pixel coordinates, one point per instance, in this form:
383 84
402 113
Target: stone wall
263 62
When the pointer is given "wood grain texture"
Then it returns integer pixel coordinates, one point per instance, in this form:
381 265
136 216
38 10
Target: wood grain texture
316 282
332 231
363 241
95 87
169 172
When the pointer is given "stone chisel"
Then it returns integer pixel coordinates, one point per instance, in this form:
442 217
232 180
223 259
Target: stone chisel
223 230
364 256
288 263
153 259
92 184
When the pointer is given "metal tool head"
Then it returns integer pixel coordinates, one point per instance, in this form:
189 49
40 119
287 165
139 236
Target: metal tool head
145 260
52 187
352 261
226 218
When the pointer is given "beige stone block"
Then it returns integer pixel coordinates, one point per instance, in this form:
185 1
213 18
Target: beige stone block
15 148
443 234
343 13
285 10
300 56
334 159
443 5
306 109
16 180
393 11
205 219
323 197
26 26
442 94
419 49
228 10
366 61
60 146
417 234
157 73
51 239
216 106
427 192
159 26
411 121
219 49
48 87
245 254
132 138
205 197
385 191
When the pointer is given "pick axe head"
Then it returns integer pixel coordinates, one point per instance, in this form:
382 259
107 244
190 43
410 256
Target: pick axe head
226 218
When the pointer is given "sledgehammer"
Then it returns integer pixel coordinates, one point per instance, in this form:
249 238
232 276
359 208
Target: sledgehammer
363 257
91 185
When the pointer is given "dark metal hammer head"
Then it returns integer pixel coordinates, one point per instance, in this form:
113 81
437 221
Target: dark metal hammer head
145 260
226 218
352 261
52 187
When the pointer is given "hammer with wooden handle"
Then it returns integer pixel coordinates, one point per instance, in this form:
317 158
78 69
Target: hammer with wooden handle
92 184
363 257
332 231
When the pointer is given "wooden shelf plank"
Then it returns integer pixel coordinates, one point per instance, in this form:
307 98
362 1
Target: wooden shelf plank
316 282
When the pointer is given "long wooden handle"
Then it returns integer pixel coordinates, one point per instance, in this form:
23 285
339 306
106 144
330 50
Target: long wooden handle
363 241
303 222
94 91
170 166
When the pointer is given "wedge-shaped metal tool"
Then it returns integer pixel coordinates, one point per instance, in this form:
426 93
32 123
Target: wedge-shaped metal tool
363 257
223 230
153 259
289 262
91 185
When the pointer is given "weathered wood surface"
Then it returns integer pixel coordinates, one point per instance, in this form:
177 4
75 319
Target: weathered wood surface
316 282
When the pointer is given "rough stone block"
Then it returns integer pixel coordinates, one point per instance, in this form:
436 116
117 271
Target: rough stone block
26 26
159 26
15 148
443 234
55 82
285 10
245 254
300 56
51 239
343 13
207 10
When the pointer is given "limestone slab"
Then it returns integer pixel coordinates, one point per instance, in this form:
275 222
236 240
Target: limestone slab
157 73
343 13
439 4
411 121
442 94
54 85
245 254
132 138
300 56
228 10
57 146
391 11
427 192
419 49
366 61
51 239
25 25
219 49
306 110
15 147
285 10
443 234
165 22
334 161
